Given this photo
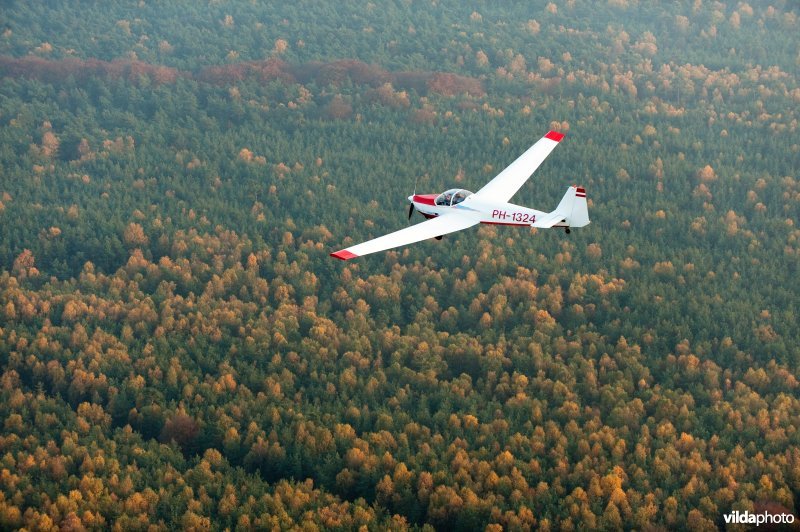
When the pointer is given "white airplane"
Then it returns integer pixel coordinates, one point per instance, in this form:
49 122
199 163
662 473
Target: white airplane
457 209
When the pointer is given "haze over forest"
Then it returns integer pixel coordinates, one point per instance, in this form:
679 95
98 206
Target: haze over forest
178 350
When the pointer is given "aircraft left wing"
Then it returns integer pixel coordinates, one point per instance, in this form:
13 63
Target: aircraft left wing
509 181
441 225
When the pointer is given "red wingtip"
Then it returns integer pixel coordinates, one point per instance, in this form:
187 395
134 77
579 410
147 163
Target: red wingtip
554 135
344 255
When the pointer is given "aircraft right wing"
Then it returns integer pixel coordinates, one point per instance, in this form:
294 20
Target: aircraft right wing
441 225
509 181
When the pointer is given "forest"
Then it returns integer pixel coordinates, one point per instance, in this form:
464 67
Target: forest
179 351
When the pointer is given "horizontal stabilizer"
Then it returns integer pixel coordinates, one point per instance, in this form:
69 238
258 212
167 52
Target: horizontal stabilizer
548 220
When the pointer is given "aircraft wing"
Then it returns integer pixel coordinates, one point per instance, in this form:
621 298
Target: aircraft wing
441 225
509 181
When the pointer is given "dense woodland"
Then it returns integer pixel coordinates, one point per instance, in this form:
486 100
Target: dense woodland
179 350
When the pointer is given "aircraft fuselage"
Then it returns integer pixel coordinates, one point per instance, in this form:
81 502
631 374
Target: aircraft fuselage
492 213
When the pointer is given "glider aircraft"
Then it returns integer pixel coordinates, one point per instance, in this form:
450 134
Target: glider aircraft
457 209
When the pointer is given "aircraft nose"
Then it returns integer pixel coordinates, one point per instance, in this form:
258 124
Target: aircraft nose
411 198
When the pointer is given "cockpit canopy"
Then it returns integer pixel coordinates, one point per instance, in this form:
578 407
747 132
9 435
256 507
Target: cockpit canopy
454 196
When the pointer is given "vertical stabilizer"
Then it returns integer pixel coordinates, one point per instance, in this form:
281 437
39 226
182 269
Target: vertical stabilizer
573 207
572 211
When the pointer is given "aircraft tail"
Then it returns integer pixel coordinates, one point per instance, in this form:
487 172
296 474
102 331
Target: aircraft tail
572 210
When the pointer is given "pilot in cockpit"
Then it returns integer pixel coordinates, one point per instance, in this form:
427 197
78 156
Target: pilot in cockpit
460 196
452 197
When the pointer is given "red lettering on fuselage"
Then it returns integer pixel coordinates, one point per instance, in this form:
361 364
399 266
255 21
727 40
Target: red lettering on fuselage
518 217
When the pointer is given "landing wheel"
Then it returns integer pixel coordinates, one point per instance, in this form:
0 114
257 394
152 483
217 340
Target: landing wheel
566 230
439 237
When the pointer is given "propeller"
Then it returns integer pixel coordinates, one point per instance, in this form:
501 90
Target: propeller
411 207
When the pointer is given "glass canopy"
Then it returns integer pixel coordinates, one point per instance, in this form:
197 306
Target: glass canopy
454 196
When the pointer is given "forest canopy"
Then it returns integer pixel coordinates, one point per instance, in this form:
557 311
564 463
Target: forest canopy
179 350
